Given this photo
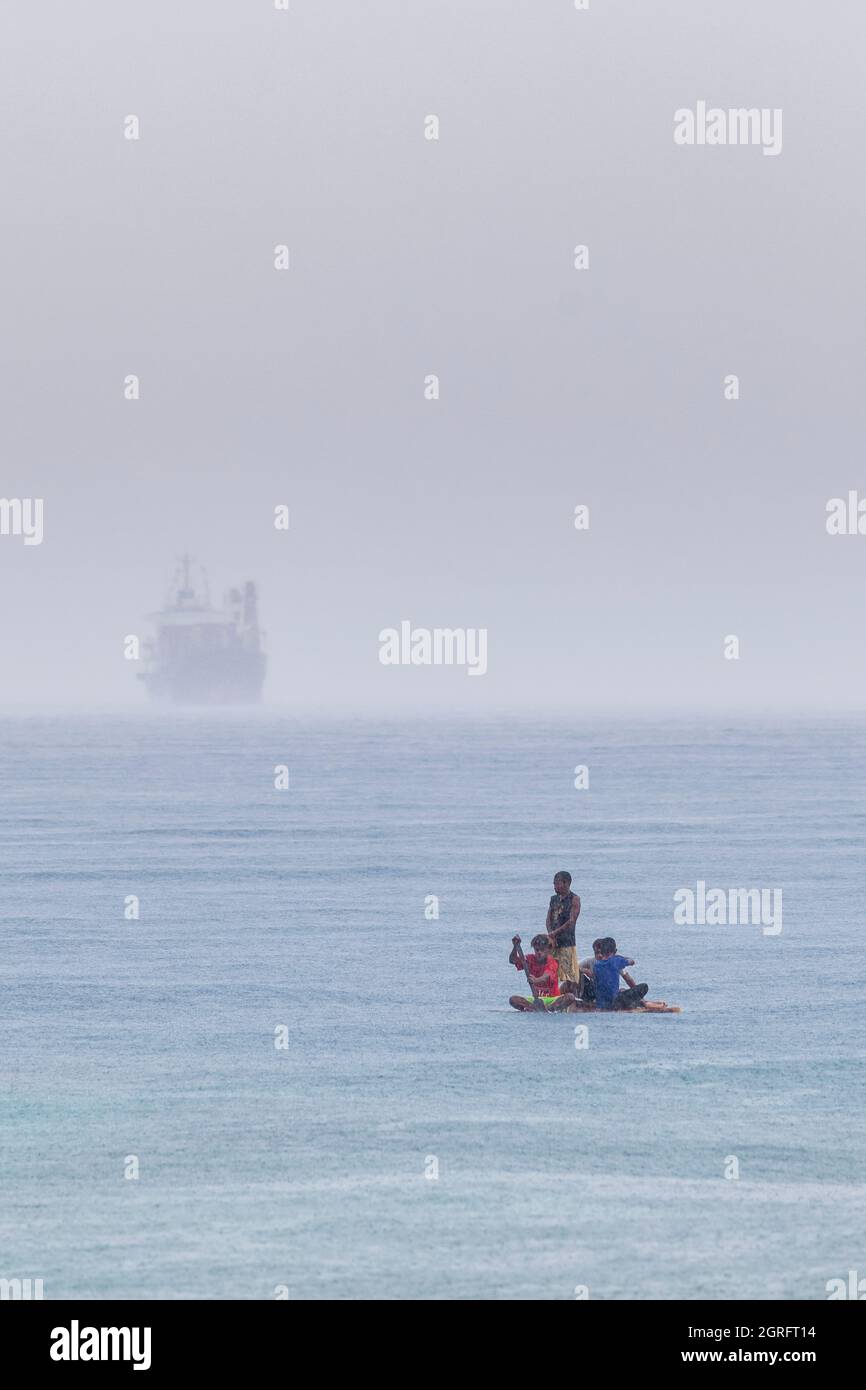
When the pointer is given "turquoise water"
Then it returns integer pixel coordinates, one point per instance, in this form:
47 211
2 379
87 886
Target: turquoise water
304 1166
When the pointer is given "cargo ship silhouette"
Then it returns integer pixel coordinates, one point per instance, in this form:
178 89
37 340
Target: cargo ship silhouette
204 655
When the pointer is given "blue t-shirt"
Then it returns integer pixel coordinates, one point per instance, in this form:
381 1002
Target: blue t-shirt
606 974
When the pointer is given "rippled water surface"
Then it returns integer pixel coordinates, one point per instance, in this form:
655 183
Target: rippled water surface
304 1166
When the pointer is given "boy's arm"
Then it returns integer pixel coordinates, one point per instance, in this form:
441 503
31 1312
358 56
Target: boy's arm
625 975
551 930
542 979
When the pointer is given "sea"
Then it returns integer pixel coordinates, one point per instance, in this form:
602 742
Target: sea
256 1039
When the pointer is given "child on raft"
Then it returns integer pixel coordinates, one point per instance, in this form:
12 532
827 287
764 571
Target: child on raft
599 981
542 971
601 976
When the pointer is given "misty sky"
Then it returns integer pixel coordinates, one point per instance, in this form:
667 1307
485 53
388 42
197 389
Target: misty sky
454 257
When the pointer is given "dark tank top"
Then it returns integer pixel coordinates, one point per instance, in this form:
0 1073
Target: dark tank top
560 910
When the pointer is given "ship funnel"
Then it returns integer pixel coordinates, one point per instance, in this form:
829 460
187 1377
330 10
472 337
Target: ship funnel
251 605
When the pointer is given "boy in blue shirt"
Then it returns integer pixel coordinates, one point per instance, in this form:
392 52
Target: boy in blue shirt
601 978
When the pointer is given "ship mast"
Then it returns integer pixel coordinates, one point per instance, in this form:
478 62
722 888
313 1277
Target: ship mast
185 593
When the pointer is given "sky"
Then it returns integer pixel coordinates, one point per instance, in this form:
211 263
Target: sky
558 387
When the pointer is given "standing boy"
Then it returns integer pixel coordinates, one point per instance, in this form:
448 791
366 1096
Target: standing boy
562 915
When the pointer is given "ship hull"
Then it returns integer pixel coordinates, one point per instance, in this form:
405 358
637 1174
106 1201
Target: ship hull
219 681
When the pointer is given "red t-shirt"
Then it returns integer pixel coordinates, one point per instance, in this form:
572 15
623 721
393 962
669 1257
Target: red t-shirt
550 970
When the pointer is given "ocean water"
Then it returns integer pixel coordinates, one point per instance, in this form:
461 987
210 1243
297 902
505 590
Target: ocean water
306 1167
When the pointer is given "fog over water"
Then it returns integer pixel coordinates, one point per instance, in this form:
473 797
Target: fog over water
408 257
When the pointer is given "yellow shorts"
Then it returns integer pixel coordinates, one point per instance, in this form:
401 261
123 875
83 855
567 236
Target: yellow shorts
566 960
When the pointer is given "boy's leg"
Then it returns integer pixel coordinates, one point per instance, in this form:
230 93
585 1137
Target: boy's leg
630 998
525 1006
566 962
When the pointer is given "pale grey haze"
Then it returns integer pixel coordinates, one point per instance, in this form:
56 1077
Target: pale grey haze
453 257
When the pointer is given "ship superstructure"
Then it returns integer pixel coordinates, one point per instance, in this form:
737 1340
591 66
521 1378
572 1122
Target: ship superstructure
203 655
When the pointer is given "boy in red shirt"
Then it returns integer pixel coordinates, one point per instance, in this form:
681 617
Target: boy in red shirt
543 974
